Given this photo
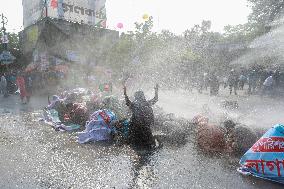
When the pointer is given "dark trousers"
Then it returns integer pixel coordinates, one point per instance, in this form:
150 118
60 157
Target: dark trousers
235 88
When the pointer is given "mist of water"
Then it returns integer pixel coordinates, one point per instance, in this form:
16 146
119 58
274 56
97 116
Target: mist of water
267 50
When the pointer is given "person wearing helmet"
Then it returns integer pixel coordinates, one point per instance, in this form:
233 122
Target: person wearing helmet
252 81
142 119
233 81
3 85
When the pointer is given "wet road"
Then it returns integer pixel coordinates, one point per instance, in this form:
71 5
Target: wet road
35 156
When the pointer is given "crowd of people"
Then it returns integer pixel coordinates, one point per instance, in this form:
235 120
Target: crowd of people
257 82
8 83
26 83
101 118
99 121
13 82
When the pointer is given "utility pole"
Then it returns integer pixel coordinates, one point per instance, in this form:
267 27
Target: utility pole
5 57
5 41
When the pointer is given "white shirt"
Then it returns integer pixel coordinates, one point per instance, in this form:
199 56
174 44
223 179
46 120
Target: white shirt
269 81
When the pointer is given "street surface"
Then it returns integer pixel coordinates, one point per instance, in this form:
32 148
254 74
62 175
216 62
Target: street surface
33 155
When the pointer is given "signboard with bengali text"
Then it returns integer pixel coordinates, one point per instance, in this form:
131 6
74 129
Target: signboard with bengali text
265 158
91 12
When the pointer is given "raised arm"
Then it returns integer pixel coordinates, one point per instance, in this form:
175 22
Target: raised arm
155 99
128 102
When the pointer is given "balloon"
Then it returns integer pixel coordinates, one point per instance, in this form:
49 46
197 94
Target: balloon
120 25
145 16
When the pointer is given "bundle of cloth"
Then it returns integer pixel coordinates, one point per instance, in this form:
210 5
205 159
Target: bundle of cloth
171 130
115 105
265 158
99 127
225 137
76 113
92 114
62 116
102 125
74 105
51 118
78 95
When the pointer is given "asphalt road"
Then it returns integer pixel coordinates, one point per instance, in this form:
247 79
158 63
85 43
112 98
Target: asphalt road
33 155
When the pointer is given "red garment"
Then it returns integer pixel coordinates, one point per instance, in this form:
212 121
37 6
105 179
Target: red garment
209 137
22 86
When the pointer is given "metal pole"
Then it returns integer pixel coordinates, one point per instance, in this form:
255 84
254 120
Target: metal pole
46 9
2 16
4 21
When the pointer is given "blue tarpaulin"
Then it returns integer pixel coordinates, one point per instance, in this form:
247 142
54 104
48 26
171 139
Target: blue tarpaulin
99 127
265 159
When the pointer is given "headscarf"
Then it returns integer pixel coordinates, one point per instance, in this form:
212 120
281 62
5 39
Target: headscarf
142 113
139 96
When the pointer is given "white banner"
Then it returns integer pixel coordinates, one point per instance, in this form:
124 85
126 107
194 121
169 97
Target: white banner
33 10
91 12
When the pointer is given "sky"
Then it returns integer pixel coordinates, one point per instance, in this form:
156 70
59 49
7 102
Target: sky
176 16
